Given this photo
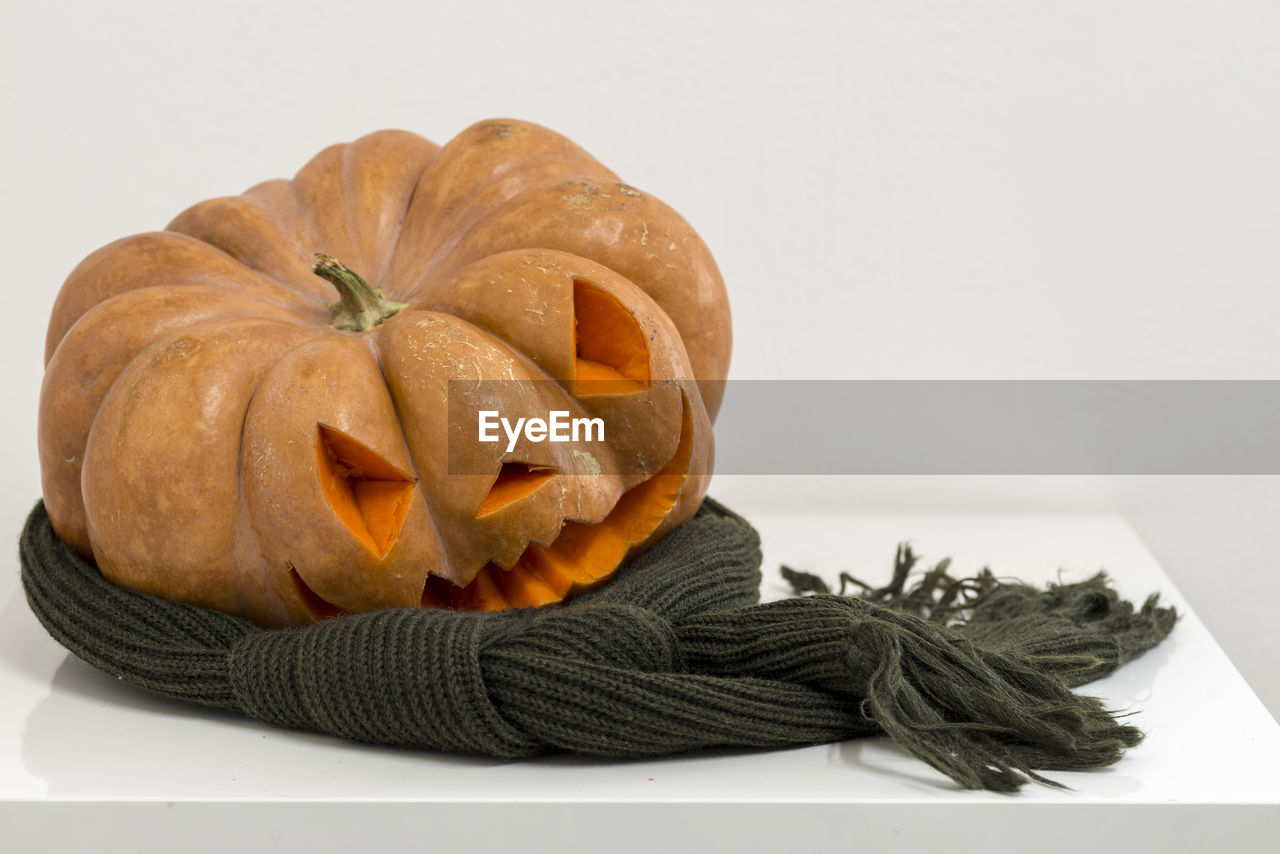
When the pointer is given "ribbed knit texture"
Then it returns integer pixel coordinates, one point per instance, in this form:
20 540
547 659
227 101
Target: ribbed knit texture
672 655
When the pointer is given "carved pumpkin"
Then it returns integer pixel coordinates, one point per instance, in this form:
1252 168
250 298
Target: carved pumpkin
215 429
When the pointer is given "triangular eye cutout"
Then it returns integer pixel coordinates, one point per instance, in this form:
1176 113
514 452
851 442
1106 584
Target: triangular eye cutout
369 494
612 354
515 481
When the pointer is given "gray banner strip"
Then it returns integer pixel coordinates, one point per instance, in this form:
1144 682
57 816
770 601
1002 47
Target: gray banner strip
1122 427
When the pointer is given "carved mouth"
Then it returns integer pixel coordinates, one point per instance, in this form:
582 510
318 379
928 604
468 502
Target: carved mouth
583 555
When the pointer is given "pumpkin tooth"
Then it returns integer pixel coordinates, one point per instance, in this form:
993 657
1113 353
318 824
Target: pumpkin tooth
523 588
437 592
483 593
550 571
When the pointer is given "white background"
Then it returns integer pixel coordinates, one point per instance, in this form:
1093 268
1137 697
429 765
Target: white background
1083 190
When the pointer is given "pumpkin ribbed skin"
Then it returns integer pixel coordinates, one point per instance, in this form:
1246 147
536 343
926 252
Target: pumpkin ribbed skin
207 435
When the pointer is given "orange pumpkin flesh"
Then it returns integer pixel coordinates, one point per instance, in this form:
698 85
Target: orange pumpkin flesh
370 495
211 432
515 481
611 356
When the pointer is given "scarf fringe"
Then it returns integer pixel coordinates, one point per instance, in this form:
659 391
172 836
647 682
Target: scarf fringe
973 675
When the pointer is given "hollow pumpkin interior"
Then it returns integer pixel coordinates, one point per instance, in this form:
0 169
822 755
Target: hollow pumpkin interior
611 352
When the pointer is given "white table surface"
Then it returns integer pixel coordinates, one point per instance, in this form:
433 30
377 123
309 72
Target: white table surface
85 759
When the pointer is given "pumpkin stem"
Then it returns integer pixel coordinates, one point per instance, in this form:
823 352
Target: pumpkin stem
362 306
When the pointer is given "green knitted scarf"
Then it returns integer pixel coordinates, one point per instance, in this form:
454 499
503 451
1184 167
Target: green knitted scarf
674 654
